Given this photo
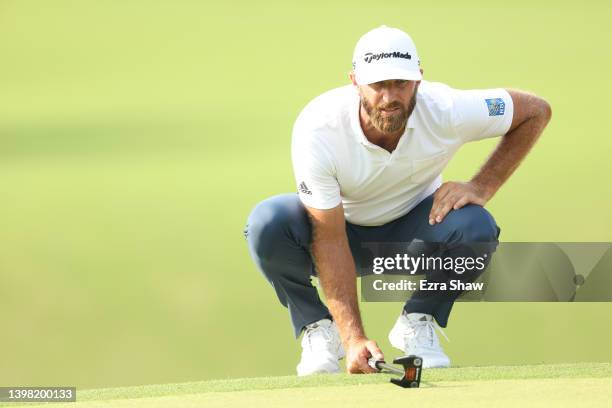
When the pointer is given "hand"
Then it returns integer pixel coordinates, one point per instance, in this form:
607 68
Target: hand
357 354
454 195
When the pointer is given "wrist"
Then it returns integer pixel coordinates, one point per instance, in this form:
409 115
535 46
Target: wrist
485 190
355 338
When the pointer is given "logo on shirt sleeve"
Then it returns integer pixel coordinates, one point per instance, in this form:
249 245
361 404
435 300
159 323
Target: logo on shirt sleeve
496 106
304 189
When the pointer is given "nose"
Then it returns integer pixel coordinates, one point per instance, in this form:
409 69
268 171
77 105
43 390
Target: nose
385 95
388 95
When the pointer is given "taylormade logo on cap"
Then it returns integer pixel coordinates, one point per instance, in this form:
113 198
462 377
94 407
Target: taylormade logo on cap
385 53
368 57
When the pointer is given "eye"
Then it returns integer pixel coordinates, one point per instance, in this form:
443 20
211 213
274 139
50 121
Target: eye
376 86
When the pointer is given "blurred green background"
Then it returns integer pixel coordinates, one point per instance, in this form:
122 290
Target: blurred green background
135 137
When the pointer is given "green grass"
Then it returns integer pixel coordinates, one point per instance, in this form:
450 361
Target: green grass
135 137
537 385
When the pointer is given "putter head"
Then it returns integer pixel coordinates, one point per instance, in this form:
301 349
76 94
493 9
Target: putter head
412 371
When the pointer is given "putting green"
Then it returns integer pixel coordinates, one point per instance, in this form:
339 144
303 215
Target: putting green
542 385
542 392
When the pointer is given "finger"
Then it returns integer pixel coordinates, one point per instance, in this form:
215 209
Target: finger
359 366
439 201
353 366
445 190
445 208
365 367
439 210
438 198
375 350
461 202
365 354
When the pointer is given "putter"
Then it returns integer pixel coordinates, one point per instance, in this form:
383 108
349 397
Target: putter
411 374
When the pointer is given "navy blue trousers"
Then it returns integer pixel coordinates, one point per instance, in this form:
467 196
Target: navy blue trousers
278 233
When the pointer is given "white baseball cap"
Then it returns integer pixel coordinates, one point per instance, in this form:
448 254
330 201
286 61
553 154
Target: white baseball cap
385 53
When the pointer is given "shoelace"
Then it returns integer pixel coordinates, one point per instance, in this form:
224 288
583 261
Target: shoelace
425 329
315 331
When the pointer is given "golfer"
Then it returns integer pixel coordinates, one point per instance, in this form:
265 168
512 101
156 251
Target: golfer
367 159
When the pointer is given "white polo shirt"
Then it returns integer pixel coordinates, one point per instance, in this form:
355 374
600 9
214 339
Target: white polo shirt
333 161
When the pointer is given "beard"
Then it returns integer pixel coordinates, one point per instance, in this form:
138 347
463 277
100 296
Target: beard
389 123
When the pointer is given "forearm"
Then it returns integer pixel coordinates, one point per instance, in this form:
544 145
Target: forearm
509 152
337 275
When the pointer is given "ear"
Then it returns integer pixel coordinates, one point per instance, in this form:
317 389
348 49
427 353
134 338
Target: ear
352 78
419 81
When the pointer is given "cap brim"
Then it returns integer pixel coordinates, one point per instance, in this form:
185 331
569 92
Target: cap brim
386 74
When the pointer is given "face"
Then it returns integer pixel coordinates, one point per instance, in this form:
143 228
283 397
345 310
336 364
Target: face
389 103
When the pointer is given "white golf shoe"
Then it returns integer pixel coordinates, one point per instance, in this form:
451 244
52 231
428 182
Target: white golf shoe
321 349
414 333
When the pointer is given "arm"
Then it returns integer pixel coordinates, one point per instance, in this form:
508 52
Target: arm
337 274
531 115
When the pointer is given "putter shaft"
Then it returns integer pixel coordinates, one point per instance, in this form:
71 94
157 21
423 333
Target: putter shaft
382 365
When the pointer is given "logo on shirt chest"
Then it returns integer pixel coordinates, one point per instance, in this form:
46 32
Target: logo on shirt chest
496 106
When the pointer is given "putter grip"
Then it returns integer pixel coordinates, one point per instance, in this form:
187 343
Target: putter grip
372 362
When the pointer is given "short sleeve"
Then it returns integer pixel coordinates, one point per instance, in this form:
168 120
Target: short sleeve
481 113
314 172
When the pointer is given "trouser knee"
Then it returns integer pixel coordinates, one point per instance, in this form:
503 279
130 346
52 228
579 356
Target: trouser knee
276 226
473 223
